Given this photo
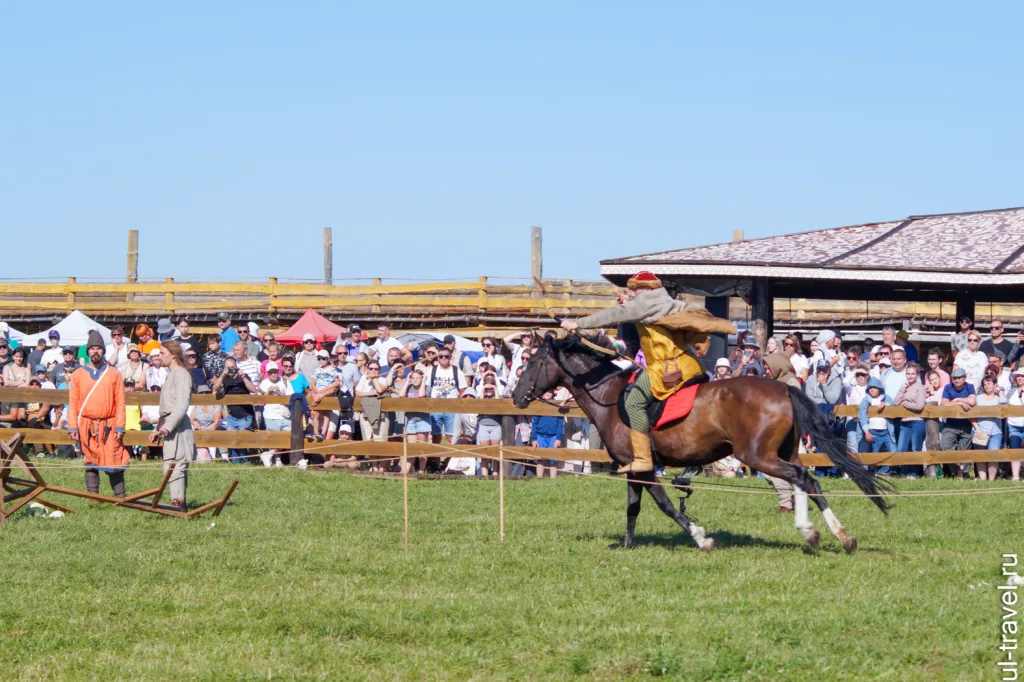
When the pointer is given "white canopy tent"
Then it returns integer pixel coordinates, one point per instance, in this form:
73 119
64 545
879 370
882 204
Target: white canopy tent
73 330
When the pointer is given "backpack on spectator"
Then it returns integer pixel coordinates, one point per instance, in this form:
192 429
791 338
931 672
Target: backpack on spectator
455 377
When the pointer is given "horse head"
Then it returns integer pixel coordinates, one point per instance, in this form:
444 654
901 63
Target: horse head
559 362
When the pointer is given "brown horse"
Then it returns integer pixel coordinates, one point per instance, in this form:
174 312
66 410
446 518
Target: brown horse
758 421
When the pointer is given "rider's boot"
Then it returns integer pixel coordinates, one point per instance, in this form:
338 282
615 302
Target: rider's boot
642 460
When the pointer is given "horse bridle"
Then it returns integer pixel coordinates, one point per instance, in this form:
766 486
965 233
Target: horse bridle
531 395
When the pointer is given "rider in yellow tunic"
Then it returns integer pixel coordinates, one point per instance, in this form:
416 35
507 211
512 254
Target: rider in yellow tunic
670 360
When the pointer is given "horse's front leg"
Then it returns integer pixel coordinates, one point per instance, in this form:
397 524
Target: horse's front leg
657 491
633 495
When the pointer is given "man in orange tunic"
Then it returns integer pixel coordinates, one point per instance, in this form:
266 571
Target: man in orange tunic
96 418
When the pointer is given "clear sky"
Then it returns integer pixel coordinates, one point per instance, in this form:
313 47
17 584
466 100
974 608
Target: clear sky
431 136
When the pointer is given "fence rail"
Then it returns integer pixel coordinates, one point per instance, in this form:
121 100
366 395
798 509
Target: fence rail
171 297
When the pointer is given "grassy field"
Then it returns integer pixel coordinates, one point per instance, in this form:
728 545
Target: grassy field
303 577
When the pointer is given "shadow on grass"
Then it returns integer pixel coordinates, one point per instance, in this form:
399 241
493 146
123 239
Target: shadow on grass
723 540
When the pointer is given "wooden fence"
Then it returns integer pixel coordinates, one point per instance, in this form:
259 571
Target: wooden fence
179 298
284 440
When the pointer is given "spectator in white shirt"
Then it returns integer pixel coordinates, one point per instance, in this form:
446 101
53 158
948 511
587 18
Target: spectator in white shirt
971 360
156 373
525 339
54 353
276 417
384 342
117 350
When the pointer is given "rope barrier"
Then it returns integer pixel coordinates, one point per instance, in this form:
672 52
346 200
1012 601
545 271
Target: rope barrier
477 452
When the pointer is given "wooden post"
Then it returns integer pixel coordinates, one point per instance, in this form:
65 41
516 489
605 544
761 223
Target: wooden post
536 253
737 235
761 312
405 484
536 262
133 261
273 294
719 307
376 283
328 257
169 296
298 442
501 492
482 295
964 308
71 293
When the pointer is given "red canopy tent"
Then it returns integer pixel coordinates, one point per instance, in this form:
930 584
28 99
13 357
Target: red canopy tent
313 323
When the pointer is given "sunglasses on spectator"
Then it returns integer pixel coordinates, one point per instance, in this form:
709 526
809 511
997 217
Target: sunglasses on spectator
308 341
444 355
487 345
268 339
787 343
973 340
116 334
998 329
883 352
373 368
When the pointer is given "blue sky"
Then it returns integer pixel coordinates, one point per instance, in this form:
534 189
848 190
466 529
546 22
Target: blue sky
431 136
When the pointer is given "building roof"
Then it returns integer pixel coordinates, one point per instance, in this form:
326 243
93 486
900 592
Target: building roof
981 247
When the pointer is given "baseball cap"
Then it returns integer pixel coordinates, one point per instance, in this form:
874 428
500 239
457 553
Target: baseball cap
272 367
957 373
54 334
223 316
69 349
40 368
323 354
885 362
876 350
154 353
448 338
308 337
347 428
354 328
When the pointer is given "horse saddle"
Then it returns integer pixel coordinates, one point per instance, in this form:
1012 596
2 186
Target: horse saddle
661 413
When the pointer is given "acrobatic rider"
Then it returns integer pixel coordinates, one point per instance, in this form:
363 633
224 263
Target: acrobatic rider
96 418
670 361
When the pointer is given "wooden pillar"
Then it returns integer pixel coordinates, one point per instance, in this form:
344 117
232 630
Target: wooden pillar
481 295
328 257
719 307
272 296
536 253
376 283
964 308
169 295
133 261
762 311
298 442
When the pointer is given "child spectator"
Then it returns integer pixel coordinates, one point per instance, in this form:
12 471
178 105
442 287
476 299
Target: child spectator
547 432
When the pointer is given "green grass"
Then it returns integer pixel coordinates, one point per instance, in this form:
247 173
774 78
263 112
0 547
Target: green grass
303 577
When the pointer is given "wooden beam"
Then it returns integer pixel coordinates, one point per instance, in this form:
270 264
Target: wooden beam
328 257
133 261
761 311
497 406
537 252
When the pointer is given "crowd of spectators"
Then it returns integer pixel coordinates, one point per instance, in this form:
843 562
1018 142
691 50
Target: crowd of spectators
978 371
239 360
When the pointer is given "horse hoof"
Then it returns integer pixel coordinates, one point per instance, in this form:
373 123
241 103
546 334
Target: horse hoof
707 545
814 540
850 544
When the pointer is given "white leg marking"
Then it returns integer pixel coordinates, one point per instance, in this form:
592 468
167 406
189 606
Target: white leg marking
800 519
833 523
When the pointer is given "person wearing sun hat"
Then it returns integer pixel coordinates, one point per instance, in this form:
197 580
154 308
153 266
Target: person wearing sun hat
96 417
666 352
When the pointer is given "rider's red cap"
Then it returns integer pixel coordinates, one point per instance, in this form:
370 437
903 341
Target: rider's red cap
643 280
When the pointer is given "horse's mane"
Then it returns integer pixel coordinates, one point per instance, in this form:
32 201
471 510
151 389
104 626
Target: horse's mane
573 344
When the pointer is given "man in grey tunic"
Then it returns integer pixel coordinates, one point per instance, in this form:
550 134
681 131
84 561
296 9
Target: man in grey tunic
174 426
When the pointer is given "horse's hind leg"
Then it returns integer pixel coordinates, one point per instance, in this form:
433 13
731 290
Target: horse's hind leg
849 542
657 491
802 483
633 494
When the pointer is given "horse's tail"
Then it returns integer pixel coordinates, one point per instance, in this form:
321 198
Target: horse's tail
811 420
